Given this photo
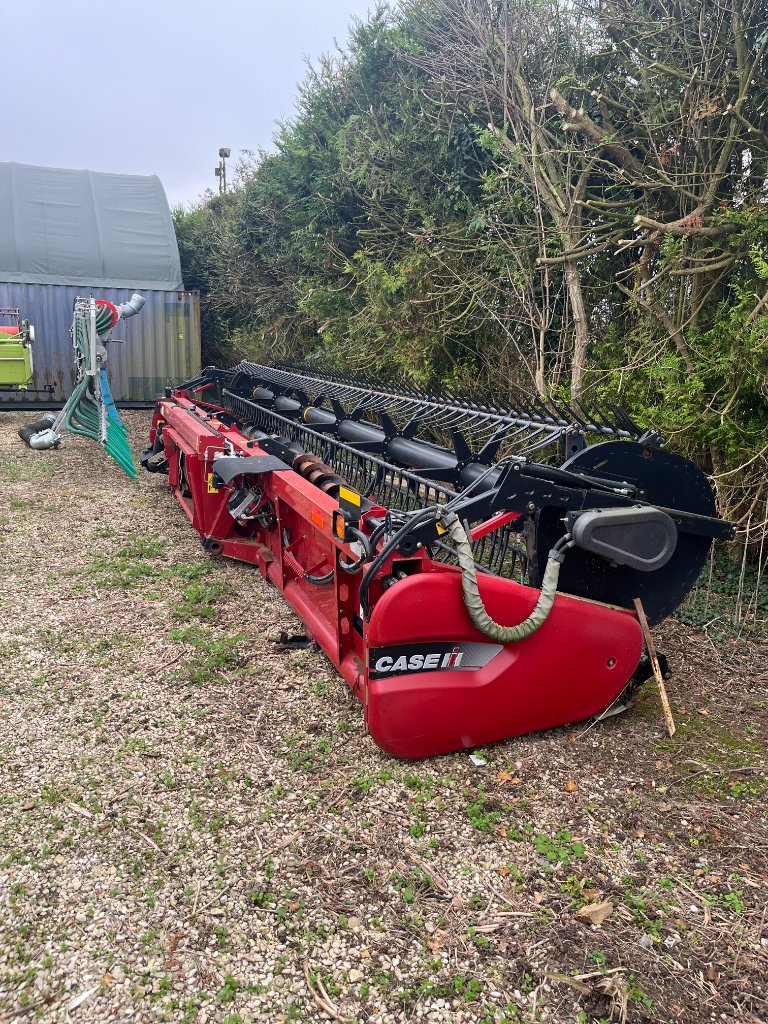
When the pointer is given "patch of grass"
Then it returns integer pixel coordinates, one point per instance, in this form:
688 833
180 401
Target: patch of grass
198 600
215 658
415 883
643 913
364 782
468 989
560 848
33 467
712 602
510 1013
479 941
130 564
482 814
636 995
228 991
574 887
731 901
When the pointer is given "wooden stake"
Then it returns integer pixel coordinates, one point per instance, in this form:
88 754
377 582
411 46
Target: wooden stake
651 648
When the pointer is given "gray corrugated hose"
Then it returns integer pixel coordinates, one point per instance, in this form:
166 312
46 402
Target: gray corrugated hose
474 603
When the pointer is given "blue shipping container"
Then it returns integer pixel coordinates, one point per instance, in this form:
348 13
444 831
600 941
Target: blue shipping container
159 346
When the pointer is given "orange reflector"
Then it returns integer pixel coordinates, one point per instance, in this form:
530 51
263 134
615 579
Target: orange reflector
317 518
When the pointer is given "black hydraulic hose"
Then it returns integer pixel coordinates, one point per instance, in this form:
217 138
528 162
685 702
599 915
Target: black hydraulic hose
357 566
416 520
319 581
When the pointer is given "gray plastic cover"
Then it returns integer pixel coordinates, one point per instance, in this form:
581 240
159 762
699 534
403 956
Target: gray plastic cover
643 538
227 467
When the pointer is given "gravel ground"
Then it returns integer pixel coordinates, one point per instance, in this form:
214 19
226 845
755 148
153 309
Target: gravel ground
195 826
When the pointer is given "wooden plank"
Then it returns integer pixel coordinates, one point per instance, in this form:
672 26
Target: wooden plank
651 648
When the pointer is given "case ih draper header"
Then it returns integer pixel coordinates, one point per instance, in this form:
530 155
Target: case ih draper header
465 591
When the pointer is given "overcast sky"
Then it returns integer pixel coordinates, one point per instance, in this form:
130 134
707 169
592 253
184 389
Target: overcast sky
155 86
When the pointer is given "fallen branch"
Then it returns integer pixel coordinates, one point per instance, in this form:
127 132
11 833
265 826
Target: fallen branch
438 882
322 998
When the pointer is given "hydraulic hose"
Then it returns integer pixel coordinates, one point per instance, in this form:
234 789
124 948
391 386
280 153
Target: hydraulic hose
353 568
319 581
474 602
414 520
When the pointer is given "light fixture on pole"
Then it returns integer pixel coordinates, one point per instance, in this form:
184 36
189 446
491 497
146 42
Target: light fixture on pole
221 170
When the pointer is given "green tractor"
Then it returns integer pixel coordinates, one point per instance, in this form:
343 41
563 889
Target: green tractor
16 340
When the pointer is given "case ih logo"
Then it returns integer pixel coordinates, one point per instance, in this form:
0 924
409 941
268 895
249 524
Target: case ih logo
435 657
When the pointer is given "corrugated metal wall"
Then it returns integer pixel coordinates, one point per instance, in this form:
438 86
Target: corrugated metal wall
160 345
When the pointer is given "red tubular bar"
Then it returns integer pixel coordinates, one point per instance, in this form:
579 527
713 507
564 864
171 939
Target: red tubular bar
429 682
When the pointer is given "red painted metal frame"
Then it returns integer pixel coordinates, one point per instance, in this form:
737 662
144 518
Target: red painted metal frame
573 667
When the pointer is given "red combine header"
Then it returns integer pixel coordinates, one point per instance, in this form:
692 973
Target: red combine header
466 592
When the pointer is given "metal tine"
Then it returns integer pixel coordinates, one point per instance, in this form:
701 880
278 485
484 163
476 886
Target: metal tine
455 419
442 408
494 541
506 541
502 436
499 404
399 406
475 415
418 416
480 427
534 408
518 448
538 445
607 417
625 420
496 556
469 416
564 416
436 414
407 406
625 426
572 416
546 413
593 416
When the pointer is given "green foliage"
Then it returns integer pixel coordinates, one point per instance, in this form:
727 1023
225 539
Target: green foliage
213 659
418 215
712 604
483 818
560 848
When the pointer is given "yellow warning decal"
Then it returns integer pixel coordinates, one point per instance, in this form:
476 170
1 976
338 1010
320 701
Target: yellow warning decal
441 529
211 488
352 497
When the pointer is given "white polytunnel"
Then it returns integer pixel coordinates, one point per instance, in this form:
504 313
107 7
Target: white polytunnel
64 226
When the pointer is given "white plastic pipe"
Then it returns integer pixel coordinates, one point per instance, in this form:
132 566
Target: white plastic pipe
134 305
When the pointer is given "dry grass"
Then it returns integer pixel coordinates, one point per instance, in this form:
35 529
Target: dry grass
195 827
